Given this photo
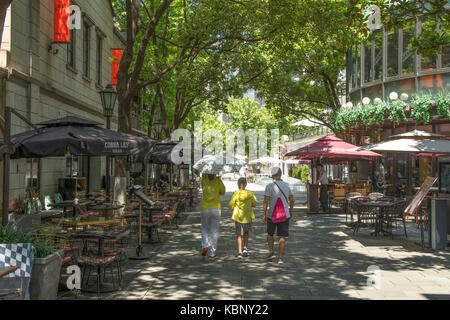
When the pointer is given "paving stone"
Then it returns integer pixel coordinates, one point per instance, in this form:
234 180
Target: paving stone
323 260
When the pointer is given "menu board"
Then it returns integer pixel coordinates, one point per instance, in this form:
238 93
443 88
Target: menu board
141 195
420 195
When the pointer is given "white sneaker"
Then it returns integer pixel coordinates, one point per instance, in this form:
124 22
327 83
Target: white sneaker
280 261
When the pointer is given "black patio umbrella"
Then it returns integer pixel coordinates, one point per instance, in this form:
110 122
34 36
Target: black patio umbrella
79 137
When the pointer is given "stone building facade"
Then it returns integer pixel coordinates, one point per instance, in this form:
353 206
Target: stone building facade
44 80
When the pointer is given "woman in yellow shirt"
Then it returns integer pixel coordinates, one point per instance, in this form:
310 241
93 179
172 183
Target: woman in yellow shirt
212 189
242 203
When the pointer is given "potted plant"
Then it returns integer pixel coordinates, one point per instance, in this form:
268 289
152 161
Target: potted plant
27 211
46 265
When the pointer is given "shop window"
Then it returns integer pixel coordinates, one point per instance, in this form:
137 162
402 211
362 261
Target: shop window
431 84
373 92
408 51
402 86
378 47
392 53
368 60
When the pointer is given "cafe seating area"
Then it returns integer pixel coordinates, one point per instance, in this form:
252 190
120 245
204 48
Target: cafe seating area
99 235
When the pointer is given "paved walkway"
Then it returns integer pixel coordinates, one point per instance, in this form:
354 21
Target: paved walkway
323 261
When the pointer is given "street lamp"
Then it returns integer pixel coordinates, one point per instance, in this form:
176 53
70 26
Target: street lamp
393 96
108 96
366 100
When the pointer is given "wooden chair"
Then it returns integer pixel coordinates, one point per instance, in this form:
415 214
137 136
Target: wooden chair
338 198
362 191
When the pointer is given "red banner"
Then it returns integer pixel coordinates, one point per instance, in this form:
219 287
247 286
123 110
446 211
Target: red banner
116 57
61 32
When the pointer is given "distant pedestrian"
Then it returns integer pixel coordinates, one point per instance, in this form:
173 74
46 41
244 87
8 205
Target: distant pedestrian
242 172
281 209
242 203
323 183
212 189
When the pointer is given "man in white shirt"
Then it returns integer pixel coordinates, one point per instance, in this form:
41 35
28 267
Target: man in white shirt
278 189
322 180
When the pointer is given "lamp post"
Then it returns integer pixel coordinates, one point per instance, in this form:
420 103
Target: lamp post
108 97
158 124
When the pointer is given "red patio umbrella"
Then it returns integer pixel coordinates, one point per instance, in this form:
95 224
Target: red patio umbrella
333 148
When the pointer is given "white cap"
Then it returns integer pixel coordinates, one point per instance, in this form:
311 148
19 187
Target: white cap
275 171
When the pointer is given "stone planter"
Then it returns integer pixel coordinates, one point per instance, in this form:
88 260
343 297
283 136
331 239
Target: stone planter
27 222
45 277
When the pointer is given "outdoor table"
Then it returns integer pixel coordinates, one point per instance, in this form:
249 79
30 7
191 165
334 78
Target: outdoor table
71 204
84 224
381 206
101 236
105 207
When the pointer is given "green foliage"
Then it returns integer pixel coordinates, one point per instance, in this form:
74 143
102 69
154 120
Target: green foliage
304 173
421 107
11 233
443 104
301 173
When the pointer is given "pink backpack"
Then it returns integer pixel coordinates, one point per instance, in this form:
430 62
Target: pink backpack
279 212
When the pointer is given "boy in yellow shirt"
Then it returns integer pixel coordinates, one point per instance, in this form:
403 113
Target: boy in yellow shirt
242 203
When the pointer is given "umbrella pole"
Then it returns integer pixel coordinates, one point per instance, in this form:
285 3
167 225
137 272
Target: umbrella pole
139 250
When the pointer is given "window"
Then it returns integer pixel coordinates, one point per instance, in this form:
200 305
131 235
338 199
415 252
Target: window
392 53
86 49
378 47
407 86
428 62
368 60
32 173
373 92
356 72
408 52
446 57
99 59
71 49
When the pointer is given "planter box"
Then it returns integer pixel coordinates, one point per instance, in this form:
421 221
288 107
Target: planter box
45 277
27 222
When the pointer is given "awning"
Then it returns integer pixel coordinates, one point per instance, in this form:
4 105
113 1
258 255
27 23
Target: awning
439 146
332 147
79 137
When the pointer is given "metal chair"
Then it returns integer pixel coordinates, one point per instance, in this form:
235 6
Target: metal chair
395 214
91 258
364 214
348 205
